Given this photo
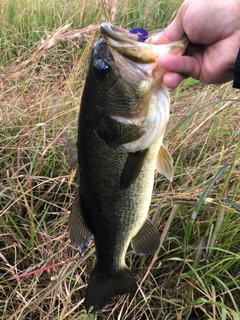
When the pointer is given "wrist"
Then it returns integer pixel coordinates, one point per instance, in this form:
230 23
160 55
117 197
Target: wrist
236 79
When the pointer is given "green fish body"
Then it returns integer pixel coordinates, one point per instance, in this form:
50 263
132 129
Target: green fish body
123 115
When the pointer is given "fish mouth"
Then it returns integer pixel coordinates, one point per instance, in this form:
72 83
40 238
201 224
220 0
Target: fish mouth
128 44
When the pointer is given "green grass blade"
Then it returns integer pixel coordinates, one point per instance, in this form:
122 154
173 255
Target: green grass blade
201 202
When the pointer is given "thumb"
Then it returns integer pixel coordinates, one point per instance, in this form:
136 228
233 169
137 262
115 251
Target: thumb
171 33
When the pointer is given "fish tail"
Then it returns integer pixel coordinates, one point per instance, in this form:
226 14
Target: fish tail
102 288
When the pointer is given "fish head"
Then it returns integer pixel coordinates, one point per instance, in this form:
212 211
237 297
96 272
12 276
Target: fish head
118 84
140 55
124 87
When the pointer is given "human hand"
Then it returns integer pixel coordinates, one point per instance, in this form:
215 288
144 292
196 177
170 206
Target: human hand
213 29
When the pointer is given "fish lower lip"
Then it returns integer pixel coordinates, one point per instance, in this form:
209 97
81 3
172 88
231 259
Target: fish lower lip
114 32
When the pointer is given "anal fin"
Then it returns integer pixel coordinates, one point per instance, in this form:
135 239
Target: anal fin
132 168
147 240
78 229
165 162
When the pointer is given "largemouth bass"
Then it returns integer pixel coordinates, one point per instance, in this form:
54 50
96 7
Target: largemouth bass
123 115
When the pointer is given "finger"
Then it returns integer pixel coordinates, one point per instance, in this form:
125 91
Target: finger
161 38
172 80
170 34
184 65
173 32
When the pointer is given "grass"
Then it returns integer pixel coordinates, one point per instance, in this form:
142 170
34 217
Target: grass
43 64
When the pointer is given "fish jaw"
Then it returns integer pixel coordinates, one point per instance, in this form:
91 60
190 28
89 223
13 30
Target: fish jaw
137 62
124 42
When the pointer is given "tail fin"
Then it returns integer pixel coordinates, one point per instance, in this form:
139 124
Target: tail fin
102 288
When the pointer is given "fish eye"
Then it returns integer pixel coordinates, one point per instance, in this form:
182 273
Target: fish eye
101 69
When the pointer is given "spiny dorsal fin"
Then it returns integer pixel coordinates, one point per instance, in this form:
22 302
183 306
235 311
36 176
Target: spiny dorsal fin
103 287
147 240
78 230
132 168
165 162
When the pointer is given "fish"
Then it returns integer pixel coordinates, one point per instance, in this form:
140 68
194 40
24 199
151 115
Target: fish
123 115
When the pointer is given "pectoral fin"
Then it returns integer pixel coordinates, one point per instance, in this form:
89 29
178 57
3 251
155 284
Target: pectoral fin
78 230
116 131
147 240
165 162
132 168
